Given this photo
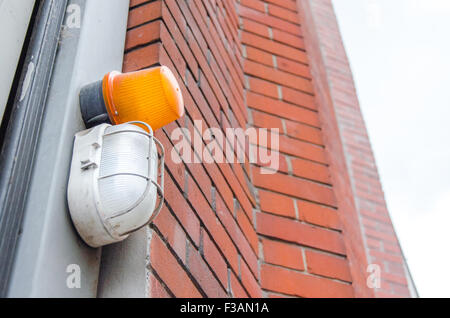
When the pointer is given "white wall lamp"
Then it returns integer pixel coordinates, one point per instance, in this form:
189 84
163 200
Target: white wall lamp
113 182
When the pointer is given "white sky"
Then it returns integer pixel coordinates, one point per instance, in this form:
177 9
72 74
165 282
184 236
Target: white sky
399 51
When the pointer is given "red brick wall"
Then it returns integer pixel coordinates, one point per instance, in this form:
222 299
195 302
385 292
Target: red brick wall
227 229
379 238
204 242
303 249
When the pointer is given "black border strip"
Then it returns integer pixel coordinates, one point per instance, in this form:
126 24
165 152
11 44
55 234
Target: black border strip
21 136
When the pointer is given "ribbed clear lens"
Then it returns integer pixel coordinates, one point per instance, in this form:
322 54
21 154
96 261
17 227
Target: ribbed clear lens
124 168
120 192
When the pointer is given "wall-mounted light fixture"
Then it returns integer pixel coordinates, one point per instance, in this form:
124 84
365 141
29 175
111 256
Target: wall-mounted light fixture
113 182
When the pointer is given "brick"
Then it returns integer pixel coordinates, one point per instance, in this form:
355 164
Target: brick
142 58
247 229
184 213
170 271
392 268
200 271
156 289
134 3
273 295
237 290
200 105
263 120
276 48
215 44
255 27
249 282
237 236
263 87
176 14
299 188
264 164
259 56
276 76
392 248
177 170
288 111
303 234
310 170
173 51
379 235
172 232
400 290
244 195
212 224
298 284
376 216
283 13
317 214
395 278
387 256
178 37
291 5
298 98
289 39
145 13
238 188
276 203
282 254
369 223
269 20
254 4
302 149
303 132
328 265
292 67
143 35
215 260
373 244
200 176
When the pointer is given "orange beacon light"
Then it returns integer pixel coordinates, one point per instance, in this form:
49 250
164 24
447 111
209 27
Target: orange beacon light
152 96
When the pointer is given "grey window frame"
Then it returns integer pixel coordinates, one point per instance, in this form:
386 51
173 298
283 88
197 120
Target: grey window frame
48 242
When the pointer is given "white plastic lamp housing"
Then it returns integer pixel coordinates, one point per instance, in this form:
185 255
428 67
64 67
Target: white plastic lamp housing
113 182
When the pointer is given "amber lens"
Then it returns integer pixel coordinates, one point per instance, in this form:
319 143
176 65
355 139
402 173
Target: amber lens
152 96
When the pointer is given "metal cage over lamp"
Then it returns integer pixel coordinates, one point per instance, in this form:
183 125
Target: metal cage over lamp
113 182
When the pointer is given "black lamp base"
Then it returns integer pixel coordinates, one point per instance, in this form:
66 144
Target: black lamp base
92 105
